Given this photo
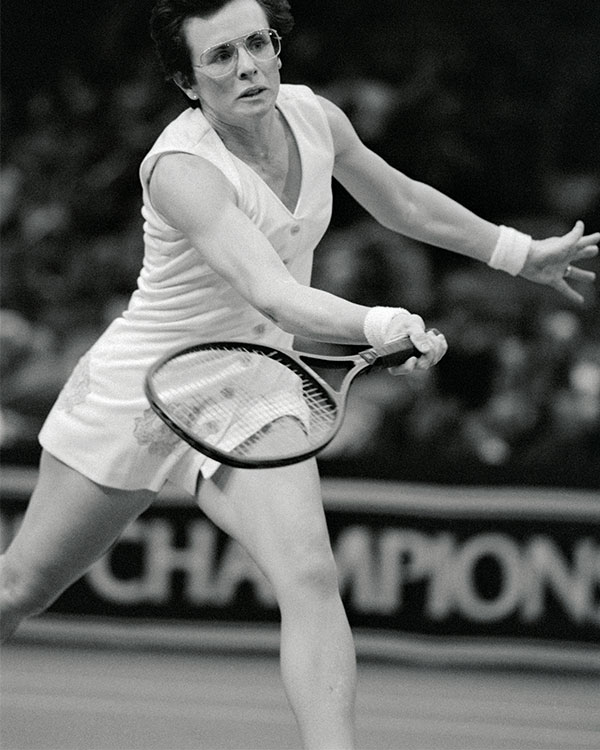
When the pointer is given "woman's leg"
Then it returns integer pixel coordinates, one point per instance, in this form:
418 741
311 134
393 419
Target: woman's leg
70 522
277 515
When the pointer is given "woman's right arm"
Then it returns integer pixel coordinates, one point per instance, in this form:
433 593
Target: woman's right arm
191 194
194 196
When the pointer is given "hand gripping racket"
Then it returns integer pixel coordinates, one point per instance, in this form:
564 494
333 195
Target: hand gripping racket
254 406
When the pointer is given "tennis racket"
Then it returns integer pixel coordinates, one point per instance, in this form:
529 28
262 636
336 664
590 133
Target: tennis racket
254 406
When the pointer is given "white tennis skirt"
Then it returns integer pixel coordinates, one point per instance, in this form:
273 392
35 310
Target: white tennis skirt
102 424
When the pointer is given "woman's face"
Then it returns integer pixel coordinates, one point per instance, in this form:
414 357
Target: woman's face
251 88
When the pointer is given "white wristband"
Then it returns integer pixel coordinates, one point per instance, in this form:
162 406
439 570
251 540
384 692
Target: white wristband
511 251
377 322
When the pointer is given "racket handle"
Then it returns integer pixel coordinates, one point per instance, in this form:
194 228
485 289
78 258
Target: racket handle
392 354
397 356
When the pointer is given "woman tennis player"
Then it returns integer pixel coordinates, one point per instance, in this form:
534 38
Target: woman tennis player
236 196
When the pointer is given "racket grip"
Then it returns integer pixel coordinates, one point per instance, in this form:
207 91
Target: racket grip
392 354
399 356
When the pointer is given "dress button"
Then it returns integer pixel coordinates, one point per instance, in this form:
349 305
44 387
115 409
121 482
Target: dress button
295 229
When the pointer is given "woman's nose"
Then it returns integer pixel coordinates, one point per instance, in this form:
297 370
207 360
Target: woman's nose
245 62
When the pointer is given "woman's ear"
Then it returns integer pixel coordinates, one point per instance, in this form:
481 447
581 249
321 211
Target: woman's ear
185 87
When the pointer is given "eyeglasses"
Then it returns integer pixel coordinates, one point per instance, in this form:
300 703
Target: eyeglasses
220 60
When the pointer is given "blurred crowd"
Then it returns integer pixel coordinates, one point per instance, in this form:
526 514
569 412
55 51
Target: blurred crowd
517 398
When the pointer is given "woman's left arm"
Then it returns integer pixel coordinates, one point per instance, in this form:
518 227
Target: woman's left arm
419 211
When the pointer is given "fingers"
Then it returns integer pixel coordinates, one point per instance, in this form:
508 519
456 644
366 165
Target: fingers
584 248
570 293
432 344
577 247
575 235
580 274
563 285
585 252
404 369
589 239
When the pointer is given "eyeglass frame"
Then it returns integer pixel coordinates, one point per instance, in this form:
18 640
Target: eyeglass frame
238 42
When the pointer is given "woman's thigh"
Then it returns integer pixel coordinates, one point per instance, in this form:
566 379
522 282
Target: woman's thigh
69 523
276 514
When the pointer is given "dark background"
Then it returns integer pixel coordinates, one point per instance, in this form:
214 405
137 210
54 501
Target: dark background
494 103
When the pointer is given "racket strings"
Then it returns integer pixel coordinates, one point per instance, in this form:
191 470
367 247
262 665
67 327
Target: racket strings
246 402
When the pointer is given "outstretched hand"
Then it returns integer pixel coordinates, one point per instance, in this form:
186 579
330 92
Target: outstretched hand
550 261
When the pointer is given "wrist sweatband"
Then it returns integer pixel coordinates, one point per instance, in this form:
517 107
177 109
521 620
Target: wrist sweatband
377 322
511 251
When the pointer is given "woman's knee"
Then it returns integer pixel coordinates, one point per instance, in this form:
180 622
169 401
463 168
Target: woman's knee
309 574
24 590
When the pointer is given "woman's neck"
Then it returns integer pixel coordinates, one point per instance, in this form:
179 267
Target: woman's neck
254 141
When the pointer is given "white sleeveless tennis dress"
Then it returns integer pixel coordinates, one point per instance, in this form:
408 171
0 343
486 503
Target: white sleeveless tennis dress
101 424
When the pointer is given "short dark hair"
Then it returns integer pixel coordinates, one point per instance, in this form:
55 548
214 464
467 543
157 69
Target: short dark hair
168 17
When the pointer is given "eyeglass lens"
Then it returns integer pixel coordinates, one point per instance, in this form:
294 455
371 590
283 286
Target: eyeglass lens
219 60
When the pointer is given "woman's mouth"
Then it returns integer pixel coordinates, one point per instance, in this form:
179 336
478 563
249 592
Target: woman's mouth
249 93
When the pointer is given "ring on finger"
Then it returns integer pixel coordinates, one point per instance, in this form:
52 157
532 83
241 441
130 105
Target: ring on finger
568 272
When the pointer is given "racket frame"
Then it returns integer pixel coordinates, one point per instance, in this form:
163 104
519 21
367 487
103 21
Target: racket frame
299 362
